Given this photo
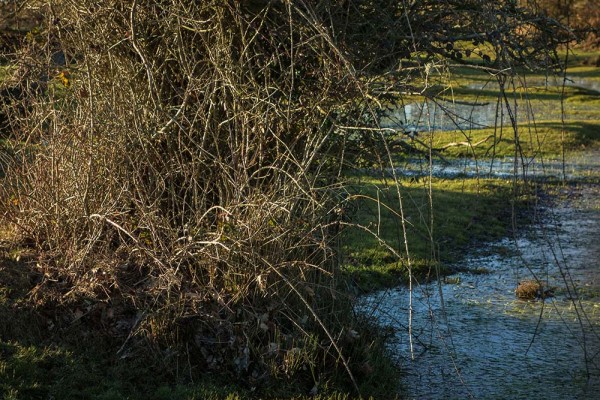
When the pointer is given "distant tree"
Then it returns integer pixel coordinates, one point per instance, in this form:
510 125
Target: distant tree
583 16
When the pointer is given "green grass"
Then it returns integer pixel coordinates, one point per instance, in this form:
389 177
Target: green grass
91 369
530 93
459 82
468 211
578 56
465 213
591 73
542 140
546 137
41 372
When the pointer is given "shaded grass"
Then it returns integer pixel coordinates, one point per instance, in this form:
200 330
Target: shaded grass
45 353
91 370
591 73
578 56
468 84
524 93
465 213
36 372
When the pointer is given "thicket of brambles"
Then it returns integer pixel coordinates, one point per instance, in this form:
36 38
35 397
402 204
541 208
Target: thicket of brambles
178 166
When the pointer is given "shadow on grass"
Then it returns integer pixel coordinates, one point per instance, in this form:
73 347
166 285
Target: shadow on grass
532 93
544 139
42 358
581 134
588 72
45 353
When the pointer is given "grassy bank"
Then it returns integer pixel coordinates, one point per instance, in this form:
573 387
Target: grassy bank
447 217
444 219
53 351
542 140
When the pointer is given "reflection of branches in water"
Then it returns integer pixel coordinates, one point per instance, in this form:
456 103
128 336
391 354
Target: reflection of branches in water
541 252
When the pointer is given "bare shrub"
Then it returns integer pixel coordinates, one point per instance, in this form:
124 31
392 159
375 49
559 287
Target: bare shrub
174 168
582 16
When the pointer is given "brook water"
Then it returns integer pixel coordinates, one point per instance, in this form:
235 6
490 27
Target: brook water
471 337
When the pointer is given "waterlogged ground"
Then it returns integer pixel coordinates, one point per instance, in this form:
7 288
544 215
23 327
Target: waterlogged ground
584 165
486 111
473 338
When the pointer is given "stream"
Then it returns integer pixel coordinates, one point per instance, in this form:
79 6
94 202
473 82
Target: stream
473 339
469 336
585 164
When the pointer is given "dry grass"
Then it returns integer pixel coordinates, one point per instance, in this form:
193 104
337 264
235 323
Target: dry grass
532 290
175 175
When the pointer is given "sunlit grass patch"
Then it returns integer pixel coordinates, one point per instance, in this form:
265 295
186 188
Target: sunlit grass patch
541 140
465 83
591 73
533 89
579 57
441 224
6 71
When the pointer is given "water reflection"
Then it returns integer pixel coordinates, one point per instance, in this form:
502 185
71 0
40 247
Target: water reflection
502 167
471 337
430 116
